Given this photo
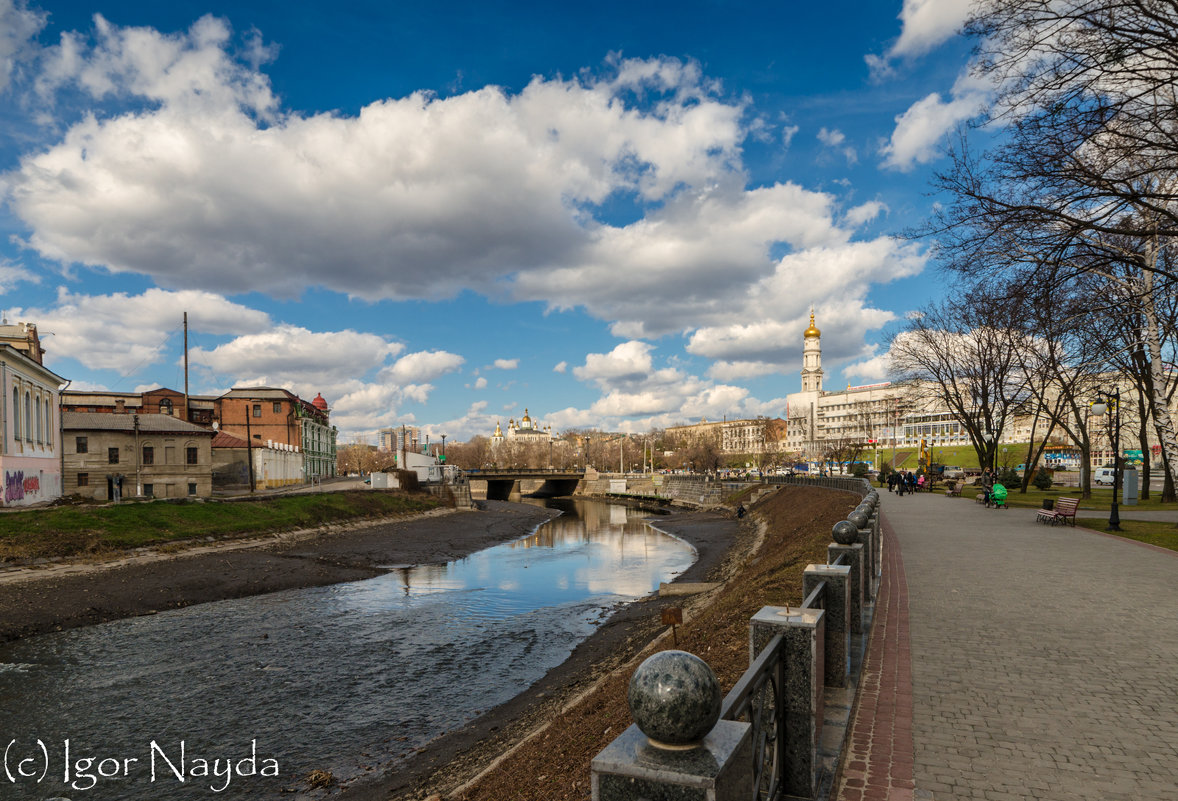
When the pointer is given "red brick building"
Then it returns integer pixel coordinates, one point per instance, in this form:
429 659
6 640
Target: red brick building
267 415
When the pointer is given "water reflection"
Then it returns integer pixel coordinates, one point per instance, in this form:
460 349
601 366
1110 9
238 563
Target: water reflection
347 678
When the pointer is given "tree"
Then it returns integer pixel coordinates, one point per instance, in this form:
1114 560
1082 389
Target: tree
471 455
1088 88
360 457
959 352
699 449
1084 179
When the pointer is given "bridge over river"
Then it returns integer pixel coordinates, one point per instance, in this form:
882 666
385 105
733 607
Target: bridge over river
504 485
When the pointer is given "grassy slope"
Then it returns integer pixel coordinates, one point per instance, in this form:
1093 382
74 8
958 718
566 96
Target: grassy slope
81 530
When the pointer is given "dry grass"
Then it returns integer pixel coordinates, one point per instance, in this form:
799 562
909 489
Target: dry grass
554 766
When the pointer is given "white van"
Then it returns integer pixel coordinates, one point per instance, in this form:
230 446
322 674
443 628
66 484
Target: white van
1104 475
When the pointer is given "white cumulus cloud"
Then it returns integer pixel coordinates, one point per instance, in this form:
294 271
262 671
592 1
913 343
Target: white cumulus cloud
18 25
923 126
121 332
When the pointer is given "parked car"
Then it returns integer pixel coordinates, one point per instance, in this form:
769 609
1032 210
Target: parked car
1104 475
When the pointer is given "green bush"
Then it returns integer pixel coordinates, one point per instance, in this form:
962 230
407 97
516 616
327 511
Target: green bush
859 470
1009 478
1042 480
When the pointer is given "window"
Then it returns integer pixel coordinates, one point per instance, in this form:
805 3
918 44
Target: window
83 479
48 424
190 455
81 445
40 429
28 418
148 454
15 414
257 410
191 488
277 407
165 406
149 490
112 455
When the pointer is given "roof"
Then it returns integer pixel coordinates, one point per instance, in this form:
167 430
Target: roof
28 363
224 439
109 421
259 393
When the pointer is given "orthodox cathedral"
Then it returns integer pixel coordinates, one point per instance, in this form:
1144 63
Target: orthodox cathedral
524 432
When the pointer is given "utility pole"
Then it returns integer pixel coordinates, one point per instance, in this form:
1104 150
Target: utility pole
249 444
185 418
138 476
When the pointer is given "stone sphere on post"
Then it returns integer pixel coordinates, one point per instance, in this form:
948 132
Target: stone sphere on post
674 699
872 498
845 532
859 519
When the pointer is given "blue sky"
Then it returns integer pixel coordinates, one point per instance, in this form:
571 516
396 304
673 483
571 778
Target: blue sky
618 217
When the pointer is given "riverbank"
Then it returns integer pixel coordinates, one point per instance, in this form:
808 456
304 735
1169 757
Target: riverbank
63 596
79 531
511 753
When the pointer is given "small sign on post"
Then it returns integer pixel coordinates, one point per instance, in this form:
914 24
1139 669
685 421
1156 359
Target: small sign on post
673 616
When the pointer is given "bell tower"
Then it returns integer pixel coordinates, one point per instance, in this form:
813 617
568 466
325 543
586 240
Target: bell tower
812 358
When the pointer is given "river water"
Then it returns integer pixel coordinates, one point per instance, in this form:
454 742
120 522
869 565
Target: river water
349 678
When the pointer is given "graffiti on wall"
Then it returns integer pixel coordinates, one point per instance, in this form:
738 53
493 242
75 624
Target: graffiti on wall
16 486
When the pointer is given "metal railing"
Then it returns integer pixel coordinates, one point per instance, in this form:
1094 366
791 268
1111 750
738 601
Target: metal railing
778 703
756 699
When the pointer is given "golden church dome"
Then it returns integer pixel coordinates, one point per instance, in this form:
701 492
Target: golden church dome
498 430
812 331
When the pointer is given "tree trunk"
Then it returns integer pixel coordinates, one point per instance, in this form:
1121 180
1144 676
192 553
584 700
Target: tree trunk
1161 409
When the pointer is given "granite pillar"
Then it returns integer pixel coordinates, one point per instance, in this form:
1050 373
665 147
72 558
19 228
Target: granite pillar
867 540
854 558
801 711
718 769
877 550
836 645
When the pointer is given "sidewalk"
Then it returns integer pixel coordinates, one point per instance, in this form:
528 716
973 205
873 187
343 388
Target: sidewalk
1043 662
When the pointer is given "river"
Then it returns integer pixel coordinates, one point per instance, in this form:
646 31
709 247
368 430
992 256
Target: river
348 678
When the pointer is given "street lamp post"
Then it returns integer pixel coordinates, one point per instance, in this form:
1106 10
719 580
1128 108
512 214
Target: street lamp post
1103 401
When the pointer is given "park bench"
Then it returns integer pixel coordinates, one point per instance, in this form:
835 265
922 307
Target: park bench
954 488
1064 511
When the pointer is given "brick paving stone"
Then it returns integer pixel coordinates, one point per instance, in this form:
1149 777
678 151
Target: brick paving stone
1012 660
879 760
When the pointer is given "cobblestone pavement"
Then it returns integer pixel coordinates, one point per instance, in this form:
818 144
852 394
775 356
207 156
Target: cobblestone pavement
1044 660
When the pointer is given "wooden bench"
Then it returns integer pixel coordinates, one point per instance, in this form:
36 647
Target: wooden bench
1064 512
954 489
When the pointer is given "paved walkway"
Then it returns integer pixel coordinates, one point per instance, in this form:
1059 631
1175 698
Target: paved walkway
1044 662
